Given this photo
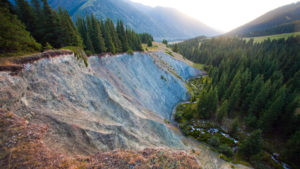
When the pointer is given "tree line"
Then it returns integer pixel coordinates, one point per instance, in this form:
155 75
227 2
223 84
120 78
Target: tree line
256 83
48 28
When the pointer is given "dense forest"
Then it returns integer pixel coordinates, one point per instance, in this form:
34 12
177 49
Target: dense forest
256 85
33 26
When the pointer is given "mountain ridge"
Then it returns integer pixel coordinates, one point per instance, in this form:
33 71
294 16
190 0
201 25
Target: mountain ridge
284 19
156 21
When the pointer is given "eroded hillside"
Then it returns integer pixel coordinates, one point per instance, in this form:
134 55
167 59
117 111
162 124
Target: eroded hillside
117 102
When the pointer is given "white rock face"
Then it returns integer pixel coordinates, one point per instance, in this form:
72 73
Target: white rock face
117 102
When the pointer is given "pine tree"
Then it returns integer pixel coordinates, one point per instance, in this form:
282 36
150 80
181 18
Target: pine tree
75 36
114 35
134 40
108 40
252 145
222 85
234 127
251 121
7 5
89 44
14 39
293 148
223 110
81 26
27 15
175 48
254 87
208 102
40 21
257 105
37 7
96 36
272 113
122 36
235 97
146 38
165 42
51 26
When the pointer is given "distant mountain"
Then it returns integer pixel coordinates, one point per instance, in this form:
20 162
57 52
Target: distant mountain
285 19
162 23
178 24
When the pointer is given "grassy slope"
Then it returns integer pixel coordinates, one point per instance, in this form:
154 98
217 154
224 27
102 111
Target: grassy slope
157 46
260 39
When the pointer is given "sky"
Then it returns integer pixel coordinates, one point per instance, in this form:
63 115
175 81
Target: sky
222 15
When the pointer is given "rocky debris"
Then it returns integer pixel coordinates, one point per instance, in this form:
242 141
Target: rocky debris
21 146
147 158
11 68
17 64
36 57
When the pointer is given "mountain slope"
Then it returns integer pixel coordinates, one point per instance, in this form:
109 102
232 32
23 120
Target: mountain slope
160 22
117 102
285 19
100 108
175 22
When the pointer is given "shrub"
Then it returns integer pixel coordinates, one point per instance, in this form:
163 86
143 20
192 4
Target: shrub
214 141
225 149
163 78
185 129
130 51
78 53
224 157
47 46
204 137
166 121
178 116
169 52
88 52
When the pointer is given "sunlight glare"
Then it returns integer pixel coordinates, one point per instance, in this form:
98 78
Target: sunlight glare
221 15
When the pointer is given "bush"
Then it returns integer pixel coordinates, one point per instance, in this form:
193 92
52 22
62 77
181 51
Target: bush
88 52
178 116
185 128
47 46
224 157
78 53
204 137
130 51
214 141
225 149
225 140
163 78
166 121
